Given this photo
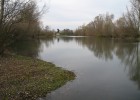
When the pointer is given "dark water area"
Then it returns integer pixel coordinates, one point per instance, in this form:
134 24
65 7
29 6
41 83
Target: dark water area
106 69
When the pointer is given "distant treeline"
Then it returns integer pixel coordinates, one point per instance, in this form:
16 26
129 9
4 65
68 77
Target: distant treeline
67 32
19 19
103 25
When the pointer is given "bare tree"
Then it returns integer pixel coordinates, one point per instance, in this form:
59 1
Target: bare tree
16 17
1 11
136 12
102 25
132 18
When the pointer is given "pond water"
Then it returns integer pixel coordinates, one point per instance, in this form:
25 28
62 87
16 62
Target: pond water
106 69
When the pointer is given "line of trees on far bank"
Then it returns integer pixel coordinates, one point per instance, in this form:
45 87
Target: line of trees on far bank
67 32
104 25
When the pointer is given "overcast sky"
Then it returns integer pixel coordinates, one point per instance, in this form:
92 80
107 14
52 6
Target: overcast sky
73 13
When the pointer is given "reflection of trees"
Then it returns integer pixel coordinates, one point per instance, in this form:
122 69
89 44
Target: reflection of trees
46 42
126 51
66 39
129 55
135 72
29 47
26 47
102 48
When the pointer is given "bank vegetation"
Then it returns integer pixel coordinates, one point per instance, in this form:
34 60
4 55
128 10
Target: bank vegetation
104 24
25 78
19 19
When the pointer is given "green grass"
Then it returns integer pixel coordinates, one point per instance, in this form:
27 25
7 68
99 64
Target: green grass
24 78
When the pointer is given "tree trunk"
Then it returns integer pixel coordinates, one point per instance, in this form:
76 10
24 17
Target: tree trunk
2 11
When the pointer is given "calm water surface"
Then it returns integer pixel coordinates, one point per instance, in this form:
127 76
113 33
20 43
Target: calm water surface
106 69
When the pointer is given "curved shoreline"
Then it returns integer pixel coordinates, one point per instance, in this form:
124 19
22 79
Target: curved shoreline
28 78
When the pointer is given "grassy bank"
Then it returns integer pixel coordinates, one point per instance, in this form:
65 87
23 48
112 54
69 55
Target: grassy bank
23 78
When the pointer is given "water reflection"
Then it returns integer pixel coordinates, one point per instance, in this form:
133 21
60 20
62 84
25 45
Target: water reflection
30 47
129 55
126 51
66 39
105 68
102 48
26 47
